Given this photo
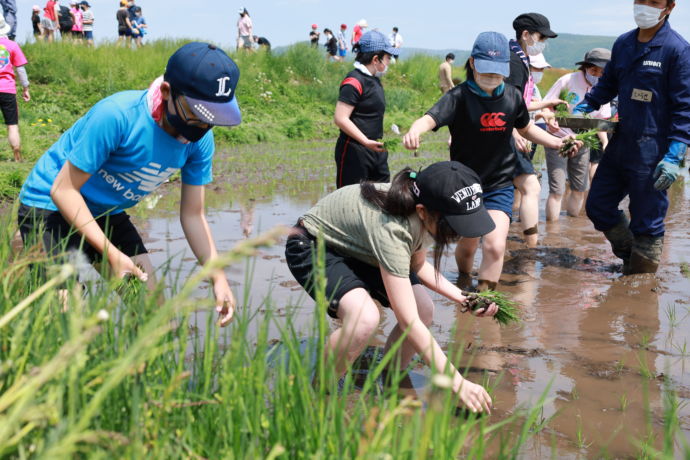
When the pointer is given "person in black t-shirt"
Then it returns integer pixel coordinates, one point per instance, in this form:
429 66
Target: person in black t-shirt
331 45
481 114
531 32
314 36
359 113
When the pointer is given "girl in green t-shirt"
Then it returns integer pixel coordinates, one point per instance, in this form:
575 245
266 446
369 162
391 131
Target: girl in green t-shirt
376 238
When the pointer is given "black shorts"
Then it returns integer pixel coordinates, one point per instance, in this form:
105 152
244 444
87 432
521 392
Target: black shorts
10 110
343 273
356 163
59 236
124 32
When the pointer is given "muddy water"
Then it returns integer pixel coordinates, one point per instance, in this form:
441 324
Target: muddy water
599 344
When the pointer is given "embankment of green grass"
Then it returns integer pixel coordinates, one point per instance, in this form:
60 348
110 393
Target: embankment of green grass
283 97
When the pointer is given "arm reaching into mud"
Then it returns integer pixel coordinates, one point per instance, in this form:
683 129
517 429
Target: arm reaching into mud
198 234
342 121
66 195
401 296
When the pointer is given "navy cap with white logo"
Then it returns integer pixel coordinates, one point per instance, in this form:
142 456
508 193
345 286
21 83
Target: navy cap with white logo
207 78
455 191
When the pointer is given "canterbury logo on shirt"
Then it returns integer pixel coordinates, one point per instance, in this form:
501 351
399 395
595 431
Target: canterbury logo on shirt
492 122
144 180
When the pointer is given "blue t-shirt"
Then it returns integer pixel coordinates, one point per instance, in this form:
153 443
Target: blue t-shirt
127 154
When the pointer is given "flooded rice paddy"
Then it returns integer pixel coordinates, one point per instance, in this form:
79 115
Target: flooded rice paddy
601 346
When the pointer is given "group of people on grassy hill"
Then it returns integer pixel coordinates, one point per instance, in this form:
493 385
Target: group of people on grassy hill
337 45
74 22
377 232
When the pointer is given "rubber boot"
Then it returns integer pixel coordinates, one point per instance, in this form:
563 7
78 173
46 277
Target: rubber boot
646 254
621 239
486 285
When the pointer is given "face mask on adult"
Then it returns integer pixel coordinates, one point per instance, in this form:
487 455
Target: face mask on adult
537 77
537 47
190 133
381 73
591 79
646 16
488 82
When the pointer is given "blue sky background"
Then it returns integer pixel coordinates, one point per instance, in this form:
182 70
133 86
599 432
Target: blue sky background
435 25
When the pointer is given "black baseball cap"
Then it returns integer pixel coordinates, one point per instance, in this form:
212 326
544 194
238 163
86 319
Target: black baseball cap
207 78
455 191
534 22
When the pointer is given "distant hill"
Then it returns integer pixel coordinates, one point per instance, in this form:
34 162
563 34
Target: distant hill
563 51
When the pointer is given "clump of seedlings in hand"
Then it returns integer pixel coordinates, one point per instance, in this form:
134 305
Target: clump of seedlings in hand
588 138
508 310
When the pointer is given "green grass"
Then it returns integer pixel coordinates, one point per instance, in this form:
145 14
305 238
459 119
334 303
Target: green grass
111 380
284 97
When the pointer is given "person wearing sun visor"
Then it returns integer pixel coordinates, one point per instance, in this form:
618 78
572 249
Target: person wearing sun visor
123 149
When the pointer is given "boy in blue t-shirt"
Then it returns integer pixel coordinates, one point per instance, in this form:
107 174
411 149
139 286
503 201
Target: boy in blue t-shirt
126 146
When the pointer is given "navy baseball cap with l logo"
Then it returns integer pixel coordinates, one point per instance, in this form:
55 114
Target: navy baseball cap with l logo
207 78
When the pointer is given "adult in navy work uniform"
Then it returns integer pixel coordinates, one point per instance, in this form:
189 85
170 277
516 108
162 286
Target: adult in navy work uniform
359 114
650 73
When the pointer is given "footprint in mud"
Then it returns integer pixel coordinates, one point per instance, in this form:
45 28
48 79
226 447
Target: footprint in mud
554 257
289 284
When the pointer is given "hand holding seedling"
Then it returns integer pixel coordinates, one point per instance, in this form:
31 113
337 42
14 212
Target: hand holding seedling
225 300
570 145
477 307
376 146
123 266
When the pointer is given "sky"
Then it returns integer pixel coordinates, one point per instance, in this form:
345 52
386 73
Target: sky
436 25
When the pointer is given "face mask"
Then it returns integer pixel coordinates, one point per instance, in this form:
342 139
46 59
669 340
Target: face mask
488 82
591 79
647 17
191 133
381 73
536 48
537 77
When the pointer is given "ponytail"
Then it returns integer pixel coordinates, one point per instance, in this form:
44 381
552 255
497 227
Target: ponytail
400 201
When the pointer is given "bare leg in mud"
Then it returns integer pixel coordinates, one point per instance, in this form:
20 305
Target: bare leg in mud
529 187
360 317
493 249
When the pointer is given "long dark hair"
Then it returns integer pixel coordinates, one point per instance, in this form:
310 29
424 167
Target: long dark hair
400 201
469 73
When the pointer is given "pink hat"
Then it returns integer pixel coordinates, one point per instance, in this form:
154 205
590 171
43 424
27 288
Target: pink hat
314 26
343 26
36 8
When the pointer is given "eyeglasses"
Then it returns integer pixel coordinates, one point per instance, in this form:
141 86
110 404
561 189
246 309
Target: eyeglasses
191 120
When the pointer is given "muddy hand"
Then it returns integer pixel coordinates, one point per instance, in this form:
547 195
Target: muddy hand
485 312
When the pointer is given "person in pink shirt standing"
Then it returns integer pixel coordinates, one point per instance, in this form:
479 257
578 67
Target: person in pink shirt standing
245 31
11 57
77 20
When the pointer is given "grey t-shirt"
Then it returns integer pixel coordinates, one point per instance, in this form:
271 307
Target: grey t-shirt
356 228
